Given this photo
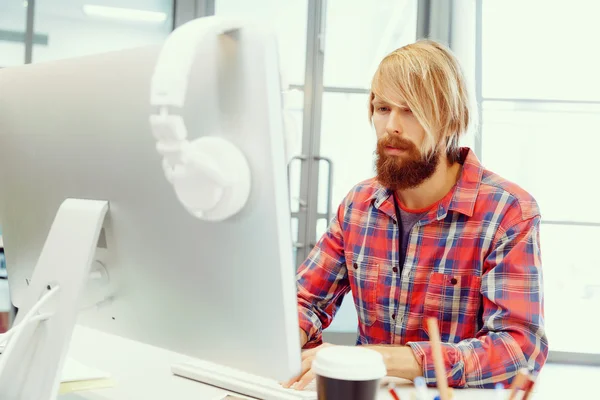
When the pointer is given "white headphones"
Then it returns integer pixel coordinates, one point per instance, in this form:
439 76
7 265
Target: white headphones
210 175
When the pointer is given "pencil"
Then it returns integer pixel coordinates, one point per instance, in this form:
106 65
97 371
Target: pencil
528 388
438 361
517 383
392 390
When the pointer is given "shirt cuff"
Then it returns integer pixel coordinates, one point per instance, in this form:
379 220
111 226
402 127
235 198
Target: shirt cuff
453 364
311 325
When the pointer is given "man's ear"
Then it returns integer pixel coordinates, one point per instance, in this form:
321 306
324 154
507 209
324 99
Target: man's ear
451 147
370 107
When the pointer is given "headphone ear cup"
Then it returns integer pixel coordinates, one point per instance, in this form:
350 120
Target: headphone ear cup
195 190
213 181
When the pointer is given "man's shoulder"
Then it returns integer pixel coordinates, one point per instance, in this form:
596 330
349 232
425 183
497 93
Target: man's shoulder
363 191
497 189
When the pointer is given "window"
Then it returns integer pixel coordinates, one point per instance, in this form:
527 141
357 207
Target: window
288 22
78 28
546 52
12 33
287 19
540 107
357 37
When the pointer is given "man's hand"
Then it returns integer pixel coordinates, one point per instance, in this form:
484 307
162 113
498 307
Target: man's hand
399 361
306 375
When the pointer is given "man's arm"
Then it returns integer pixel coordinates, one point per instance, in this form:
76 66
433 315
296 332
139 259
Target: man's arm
322 283
400 361
513 333
303 338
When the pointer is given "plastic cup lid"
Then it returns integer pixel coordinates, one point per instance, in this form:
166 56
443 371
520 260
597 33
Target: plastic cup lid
349 363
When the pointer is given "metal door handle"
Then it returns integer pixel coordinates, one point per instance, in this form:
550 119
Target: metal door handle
301 202
327 160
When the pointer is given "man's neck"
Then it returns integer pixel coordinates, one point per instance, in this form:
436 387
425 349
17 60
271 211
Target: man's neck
434 188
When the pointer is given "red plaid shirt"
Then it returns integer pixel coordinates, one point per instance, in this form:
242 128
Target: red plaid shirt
473 262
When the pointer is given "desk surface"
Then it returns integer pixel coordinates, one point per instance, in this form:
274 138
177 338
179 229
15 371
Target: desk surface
143 372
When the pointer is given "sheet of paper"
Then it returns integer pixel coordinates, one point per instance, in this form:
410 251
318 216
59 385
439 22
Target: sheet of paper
69 387
74 371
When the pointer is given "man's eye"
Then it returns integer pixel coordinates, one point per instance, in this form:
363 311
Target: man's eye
382 109
407 110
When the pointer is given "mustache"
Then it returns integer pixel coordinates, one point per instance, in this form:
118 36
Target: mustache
397 142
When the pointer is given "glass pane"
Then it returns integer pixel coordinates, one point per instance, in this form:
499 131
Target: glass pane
75 30
549 150
13 17
360 34
539 57
571 267
321 226
348 139
346 319
288 21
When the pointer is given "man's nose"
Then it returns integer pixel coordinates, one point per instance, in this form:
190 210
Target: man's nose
393 126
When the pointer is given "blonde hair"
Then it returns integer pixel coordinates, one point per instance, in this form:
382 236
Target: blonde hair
428 77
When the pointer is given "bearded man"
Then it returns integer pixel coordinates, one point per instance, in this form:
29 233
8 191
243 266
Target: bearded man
434 234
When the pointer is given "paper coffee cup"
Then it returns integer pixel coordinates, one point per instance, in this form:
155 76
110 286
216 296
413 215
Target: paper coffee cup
348 373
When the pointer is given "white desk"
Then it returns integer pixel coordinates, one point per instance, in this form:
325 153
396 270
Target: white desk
143 372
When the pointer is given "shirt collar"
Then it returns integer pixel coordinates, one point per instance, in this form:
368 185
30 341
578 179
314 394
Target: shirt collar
465 190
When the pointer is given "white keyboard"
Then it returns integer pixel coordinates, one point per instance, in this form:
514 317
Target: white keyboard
240 382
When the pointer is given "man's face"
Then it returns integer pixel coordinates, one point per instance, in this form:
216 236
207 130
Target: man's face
400 164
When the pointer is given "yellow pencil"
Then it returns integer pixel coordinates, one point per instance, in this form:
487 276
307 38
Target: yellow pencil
518 382
528 388
438 360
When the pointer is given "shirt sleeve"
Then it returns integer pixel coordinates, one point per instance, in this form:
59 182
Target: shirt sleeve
512 335
322 282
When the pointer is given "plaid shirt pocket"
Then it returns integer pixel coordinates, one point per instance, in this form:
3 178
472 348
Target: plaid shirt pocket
454 300
364 277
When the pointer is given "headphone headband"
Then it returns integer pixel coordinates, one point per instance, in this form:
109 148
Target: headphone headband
174 64
210 175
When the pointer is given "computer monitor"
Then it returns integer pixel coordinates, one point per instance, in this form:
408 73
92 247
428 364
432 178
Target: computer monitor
79 129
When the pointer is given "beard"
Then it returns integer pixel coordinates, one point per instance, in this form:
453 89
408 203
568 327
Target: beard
406 171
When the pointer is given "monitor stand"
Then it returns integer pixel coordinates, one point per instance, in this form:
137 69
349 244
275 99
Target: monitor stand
32 362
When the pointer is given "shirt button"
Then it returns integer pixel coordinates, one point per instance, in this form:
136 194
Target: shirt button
453 281
393 316
355 266
395 269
